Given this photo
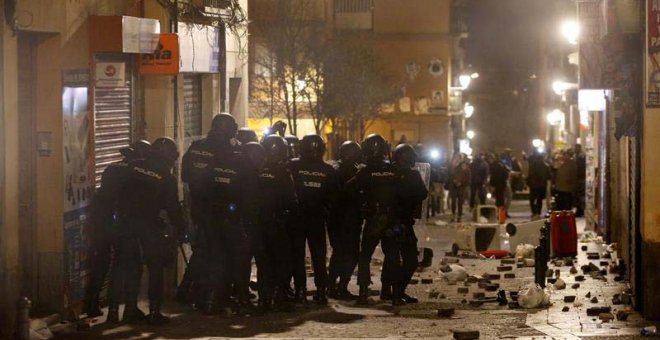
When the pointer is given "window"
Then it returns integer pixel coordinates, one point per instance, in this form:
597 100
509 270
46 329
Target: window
353 6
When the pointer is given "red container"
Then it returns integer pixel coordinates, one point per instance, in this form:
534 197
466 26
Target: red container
564 233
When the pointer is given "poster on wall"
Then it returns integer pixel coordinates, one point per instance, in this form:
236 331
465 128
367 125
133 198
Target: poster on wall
78 167
110 74
653 53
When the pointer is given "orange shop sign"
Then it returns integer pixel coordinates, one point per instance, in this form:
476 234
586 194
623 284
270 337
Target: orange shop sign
165 60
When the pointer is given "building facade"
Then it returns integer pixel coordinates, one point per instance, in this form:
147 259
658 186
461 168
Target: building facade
76 87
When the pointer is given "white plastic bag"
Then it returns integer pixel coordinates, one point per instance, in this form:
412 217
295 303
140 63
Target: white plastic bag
533 296
453 272
525 251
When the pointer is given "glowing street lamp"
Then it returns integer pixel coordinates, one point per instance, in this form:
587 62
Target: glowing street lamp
468 109
571 31
435 154
560 87
555 117
464 80
474 75
537 143
470 134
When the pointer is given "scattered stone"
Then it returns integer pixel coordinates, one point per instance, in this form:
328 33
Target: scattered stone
593 256
568 262
520 265
472 279
558 263
575 286
573 270
514 295
606 317
622 315
466 335
557 272
579 278
427 281
588 295
492 287
483 284
494 276
445 312
607 256
514 305
604 263
478 295
529 262
507 261
618 278
584 248
463 290
560 284
565 309
548 273
569 298
594 300
504 268
596 311
414 281
509 276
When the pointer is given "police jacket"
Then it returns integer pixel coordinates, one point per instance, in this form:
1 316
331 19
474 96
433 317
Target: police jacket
377 183
412 192
197 161
148 189
233 180
348 200
315 182
107 196
276 193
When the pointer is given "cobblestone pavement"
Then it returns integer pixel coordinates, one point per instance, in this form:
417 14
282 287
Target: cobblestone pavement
379 320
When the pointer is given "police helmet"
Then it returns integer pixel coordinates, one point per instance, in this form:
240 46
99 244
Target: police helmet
166 148
276 149
350 152
138 149
312 147
405 156
294 146
374 147
255 153
223 125
246 135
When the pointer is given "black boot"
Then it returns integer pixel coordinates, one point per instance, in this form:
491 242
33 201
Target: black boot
386 292
246 308
155 317
320 297
409 299
210 304
113 315
300 296
133 314
397 297
363 298
332 290
344 295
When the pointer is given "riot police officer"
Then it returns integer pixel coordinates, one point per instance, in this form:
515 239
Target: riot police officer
411 194
149 188
196 173
377 182
345 225
294 146
233 182
277 203
103 226
316 190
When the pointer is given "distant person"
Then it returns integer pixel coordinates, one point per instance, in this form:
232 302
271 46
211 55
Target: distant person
581 164
499 178
537 180
479 180
565 181
460 180
506 159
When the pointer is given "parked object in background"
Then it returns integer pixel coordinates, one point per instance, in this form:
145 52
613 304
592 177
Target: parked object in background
564 233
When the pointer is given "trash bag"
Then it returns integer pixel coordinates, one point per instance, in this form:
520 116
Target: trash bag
525 251
533 296
453 272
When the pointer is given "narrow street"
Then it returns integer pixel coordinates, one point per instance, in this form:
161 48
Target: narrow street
346 320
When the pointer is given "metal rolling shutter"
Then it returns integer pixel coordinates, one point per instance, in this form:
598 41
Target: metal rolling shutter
112 109
192 105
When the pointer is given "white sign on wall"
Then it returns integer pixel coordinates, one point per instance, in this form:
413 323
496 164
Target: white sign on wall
110 74
200 48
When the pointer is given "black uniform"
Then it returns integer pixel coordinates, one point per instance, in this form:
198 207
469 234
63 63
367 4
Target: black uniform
104 231
345 227
277 202
196 172
149 188
315 184
411 194
378 183
228 239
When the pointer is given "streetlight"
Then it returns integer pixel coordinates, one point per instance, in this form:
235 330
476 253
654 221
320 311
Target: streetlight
560 87
468 109
555 117
571 31
474 75
470 134
464 80
537 143
435 154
